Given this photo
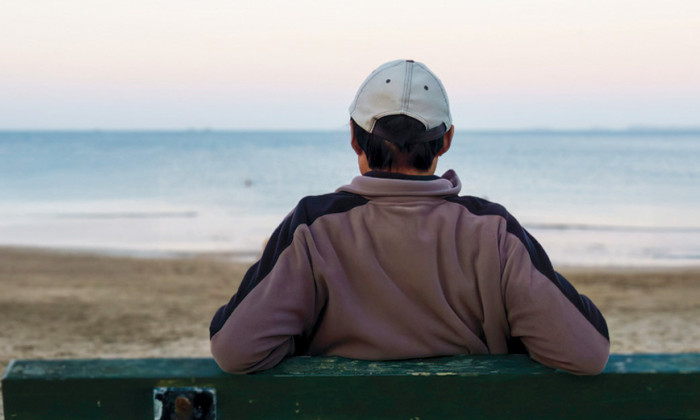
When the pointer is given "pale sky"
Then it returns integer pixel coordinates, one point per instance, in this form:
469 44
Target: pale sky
240 64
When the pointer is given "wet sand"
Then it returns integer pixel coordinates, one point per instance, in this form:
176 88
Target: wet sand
65 305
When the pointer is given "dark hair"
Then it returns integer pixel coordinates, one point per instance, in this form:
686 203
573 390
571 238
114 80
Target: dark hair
383 154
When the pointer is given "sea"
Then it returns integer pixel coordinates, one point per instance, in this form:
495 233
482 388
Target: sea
628 198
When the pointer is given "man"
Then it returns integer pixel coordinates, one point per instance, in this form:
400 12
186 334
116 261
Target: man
397 265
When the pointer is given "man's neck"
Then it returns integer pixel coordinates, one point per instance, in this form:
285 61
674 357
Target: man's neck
402 169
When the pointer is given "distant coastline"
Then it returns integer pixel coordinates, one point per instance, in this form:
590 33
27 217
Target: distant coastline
635 131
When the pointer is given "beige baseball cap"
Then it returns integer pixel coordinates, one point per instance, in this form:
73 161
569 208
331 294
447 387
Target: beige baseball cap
403 87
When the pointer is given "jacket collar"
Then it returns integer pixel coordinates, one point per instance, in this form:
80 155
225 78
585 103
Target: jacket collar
376 184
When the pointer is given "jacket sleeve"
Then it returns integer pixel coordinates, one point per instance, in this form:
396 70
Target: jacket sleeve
273 306
559 327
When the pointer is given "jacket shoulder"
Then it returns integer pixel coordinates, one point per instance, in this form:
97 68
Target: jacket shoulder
479 206
312 207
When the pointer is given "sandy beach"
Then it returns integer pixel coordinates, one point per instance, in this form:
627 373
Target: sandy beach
57 304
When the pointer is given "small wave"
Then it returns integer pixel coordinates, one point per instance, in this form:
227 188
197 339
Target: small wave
610 228
130 215
675 256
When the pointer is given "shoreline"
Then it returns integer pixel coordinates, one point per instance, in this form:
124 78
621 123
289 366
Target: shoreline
250 256
236 256
66 304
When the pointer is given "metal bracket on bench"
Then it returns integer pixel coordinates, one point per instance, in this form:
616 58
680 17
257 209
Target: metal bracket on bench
184 403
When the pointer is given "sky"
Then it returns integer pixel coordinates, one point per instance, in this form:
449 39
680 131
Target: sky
268 64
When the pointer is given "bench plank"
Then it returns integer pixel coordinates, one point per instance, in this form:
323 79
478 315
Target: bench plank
493 387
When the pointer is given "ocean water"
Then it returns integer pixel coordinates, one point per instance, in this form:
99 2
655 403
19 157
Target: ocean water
591 198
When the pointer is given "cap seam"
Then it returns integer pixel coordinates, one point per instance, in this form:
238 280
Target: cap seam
408 79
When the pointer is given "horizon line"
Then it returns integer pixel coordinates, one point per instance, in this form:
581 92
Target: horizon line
533 130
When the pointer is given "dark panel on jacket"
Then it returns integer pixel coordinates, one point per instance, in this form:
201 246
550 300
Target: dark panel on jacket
305 213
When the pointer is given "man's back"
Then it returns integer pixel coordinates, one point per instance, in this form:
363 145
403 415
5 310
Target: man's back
402 267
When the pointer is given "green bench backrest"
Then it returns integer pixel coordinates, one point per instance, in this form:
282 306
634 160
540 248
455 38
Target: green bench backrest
474 387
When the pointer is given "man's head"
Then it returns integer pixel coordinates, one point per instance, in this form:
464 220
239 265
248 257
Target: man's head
400 119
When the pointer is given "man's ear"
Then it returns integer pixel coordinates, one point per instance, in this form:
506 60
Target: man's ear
447 141
353 142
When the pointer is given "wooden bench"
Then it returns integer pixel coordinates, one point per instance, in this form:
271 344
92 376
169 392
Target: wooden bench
490 387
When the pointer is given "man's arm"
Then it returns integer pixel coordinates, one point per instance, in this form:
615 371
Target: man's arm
274 304
560 327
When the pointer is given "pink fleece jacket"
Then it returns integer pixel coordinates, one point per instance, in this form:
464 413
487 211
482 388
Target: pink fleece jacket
397 267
